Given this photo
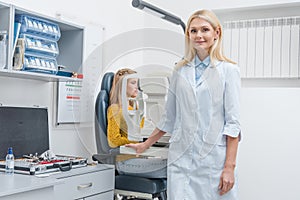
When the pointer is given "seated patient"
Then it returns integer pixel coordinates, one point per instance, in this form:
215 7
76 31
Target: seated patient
117 132
117 128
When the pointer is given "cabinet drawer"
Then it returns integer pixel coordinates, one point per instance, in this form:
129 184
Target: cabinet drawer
103 196
84 185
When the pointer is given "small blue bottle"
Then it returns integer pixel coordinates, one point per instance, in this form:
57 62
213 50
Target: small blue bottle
9 161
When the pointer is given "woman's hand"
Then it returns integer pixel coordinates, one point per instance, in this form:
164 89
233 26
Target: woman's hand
226 180
227 176
139 147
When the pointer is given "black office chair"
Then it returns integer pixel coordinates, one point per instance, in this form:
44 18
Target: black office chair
125 185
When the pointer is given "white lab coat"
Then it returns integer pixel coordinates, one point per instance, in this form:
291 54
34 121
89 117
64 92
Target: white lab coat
199 116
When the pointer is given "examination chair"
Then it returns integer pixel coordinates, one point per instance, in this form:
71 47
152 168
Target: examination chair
125 185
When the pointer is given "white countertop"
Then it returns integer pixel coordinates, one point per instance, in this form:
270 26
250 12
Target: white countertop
18 183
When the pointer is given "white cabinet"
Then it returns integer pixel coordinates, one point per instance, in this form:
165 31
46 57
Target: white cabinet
24 187
5 19
86 185
44 193
103 196
70 44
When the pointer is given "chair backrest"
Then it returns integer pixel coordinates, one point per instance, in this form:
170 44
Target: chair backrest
101 105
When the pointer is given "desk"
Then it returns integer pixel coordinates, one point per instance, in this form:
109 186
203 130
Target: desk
86 183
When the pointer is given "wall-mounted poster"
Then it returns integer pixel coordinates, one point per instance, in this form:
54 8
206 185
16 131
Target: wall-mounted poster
68 102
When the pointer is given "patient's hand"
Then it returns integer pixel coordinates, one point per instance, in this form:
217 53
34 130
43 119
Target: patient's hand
139 147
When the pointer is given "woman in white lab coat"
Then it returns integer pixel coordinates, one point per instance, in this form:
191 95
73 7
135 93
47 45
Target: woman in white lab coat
202 115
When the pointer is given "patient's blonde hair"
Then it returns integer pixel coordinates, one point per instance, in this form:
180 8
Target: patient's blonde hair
116 89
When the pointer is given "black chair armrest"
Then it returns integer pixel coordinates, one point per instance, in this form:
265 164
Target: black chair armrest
105 158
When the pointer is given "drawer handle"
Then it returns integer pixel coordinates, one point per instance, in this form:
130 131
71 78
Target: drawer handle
83 186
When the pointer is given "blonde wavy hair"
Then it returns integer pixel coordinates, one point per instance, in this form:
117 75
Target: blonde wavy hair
216 51
115 95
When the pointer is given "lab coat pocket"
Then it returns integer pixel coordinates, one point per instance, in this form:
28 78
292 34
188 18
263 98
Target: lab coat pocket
219 155
210 144
176 135
220 140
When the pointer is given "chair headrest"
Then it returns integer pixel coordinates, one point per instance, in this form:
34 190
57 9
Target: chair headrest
107 81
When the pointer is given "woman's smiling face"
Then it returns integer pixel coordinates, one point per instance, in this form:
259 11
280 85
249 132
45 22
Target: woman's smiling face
201 34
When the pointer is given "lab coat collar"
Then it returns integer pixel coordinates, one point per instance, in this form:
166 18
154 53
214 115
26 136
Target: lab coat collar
197 61
192 63
191 71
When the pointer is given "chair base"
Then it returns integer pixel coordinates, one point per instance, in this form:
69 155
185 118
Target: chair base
121 194
133 194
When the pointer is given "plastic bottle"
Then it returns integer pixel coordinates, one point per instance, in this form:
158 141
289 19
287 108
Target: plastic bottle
10 161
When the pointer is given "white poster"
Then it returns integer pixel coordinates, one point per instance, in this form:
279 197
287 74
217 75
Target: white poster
68 103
